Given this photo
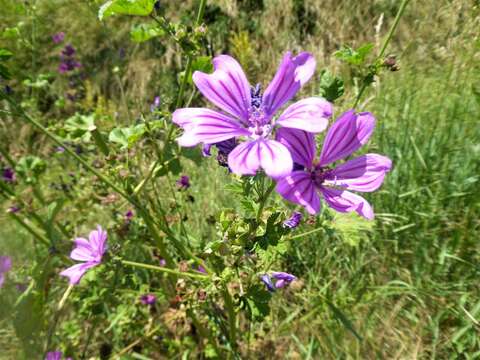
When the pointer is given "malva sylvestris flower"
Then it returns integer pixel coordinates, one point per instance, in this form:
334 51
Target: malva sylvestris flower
5 266
293 221
183 183
148 299
250 114
318 178
89 251
282 279
55 355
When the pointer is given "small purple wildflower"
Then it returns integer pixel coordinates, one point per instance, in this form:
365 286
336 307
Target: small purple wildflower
13 209
156 104
60 149
148 299
5 266
8 175
89 251
201 269
318 178
183 183
68 50
250 114
55 355
282 279
58 37
162 262
267 280
128 216
293 221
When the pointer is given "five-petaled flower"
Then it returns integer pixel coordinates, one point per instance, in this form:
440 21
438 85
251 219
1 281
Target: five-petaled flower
89 251
5 266
250 114
364 173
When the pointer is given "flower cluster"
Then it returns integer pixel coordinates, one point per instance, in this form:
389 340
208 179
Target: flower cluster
68 62
249 136
282 279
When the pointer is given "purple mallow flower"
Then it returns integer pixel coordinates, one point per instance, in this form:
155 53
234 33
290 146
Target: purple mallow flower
183 183
156 104
250 114
293 221
58 37
55 355
318 178
282 279
5 266
89 251
148 299
8 175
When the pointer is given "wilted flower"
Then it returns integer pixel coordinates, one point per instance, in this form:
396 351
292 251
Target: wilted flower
90 251
364 173
183 183
58 37
251 113
293 221
282 279
8 175
5 266
148 299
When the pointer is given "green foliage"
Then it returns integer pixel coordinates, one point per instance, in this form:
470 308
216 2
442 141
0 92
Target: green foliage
127 136
331 86
126 7
354 56
80 126
144 32
30 168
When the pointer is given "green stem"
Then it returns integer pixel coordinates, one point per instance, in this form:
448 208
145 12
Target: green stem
232 318
306 233
400 12
32 231
70 152
165 270
263 201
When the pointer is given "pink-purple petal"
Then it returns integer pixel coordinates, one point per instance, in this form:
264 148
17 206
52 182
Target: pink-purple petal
346 201
291 75
364 173
275 158
5 264
244 159
299 188
310 114
227 87
350 132
301 145
207 126
98 239
76 272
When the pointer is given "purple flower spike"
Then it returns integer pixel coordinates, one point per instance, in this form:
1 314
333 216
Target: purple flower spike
293 221
183 183
58 37
5 266
148 299
266 279
89 251
249 114
318 178
8 175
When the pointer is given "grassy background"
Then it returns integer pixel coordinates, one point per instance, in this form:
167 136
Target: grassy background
408 283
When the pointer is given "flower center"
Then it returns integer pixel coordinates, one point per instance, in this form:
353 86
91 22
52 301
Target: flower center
259 123
318 175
